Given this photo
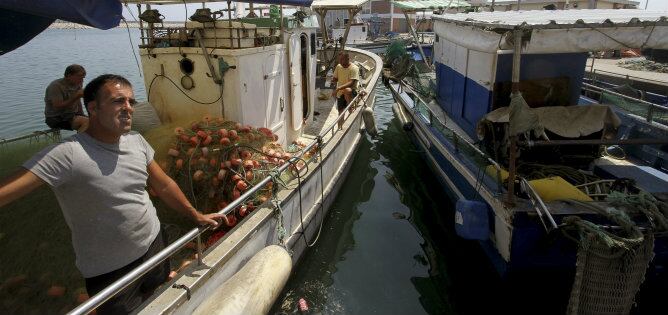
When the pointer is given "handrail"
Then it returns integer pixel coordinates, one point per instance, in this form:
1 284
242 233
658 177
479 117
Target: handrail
170 250
55 132
622 75
539 205
650 110
600 90
433 116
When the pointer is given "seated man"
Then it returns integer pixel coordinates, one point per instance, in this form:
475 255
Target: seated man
63 101
346 76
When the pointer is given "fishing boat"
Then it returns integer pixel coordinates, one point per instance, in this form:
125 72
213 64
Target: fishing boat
544 178
259 72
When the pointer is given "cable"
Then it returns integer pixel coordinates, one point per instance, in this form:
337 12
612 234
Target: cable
130 11
183 92
132 46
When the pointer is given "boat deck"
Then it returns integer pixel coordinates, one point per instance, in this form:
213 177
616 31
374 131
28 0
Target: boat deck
324 114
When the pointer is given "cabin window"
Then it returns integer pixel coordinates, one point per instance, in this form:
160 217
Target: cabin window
363 29
304 44
313 43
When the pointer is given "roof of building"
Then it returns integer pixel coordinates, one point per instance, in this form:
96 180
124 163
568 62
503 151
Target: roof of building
552 19
427 5
338 4
554 31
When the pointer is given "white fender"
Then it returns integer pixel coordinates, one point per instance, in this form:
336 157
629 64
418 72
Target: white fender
254 288
369 121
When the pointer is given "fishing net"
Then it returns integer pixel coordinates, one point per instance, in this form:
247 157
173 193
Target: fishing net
608 278
214 161
637 108
611 264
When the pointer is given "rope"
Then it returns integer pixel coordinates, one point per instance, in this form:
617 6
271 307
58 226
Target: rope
278 211
322 194
132 46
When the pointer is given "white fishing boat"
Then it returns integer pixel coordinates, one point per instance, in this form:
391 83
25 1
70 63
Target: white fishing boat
260 72
549 199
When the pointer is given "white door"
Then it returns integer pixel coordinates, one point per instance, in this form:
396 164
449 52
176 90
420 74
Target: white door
273 89
296 102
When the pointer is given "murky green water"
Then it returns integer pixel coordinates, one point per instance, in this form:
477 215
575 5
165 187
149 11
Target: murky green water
388 245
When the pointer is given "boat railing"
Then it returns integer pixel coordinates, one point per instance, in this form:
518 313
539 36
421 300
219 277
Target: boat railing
539 205
49 134
650 110
624 75
459 142
321 141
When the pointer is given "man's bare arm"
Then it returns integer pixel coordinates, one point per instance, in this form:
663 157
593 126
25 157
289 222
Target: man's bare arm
18 185
169 192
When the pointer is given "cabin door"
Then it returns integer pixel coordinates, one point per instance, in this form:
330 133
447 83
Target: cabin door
296 101
273 69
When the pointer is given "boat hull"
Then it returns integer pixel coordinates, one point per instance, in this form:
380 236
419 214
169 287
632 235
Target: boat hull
302 212
518 242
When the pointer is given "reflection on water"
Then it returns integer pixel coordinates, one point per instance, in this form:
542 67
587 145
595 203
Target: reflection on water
388 246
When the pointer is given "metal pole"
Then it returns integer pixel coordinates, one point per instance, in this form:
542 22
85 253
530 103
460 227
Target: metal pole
417 41
351 14
517 36
518 5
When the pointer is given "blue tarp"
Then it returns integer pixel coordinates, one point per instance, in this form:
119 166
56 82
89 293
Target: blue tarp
102 14
22 20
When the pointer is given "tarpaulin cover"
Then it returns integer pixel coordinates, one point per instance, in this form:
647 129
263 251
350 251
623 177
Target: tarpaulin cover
22 20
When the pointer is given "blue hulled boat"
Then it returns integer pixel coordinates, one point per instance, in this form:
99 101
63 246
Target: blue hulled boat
544 177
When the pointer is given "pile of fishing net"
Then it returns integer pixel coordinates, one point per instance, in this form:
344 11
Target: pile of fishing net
215 161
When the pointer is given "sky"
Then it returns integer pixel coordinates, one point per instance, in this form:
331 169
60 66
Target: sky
177 13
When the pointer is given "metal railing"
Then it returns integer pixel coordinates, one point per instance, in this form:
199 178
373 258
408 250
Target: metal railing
624 75
421 108
196 233
51 134
651 107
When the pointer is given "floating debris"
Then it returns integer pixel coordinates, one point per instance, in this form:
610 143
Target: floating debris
399 215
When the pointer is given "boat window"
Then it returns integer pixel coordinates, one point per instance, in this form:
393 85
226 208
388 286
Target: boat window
363 29
187 66
537 93
304 44
312 44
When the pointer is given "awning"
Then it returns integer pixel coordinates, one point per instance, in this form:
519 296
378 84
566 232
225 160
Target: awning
338 4
429 5
556 31
22 20
102 14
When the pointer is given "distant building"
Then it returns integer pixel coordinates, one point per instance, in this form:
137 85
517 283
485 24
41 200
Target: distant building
382 17
510 5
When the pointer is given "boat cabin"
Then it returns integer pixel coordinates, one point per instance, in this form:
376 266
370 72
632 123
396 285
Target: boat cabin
473 55
240 69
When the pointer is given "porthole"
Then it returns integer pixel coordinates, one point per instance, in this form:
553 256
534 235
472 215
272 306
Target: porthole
187 66
187 82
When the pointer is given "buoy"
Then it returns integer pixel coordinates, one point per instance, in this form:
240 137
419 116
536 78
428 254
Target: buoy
399 112
369 121
254 288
